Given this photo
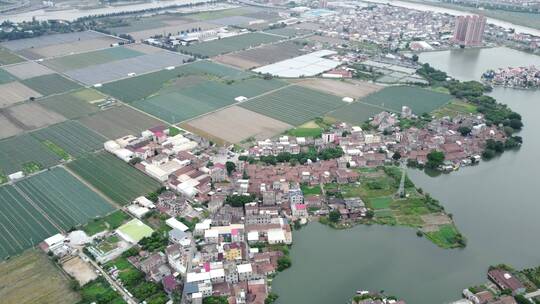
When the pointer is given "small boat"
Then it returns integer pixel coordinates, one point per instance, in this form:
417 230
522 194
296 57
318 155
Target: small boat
362 292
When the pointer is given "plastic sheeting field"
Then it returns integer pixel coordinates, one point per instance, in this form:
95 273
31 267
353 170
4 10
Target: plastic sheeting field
227 45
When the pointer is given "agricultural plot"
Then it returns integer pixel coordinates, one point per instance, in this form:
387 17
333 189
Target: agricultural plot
48 40
227 45
25 278
419 100
78 61
232 20
8 128
289 31
73 105
115 70
13 92
18 153
6 57
51 84
113 177
81 46
72 137
119 121
28 69
355 113
66 200
32 115
235 124
21 224
173 28
294 105
6 77
266 54
353 89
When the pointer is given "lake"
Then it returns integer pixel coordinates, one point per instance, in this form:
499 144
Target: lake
495 205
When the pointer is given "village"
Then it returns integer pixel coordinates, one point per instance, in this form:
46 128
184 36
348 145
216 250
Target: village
519 77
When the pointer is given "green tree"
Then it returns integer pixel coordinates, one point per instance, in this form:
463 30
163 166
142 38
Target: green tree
464 130
435 159
284 262
334 216
231 167
215 300
396 156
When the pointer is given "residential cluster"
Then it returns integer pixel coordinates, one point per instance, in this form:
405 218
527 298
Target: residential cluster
518 77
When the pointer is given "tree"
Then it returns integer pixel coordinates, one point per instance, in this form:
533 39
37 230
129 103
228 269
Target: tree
435 159
464 130
396 156
284 262
215 300
415 58
334 216
271 298
520 299
231 167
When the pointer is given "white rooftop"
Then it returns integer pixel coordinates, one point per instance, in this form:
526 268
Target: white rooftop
244 268
305 65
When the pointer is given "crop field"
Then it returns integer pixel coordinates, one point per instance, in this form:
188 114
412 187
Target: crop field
18 151
135 88
14 92
355 113
32 278
48 40
235 124
289 31
227 45
8 128
119 69
293 104
51 84
171 28
113 177
78 61
28 69
66 200
266 54
353 89
180 105
6 57
32 115
72 137
419 100
6 77
21 224
119 121
73 105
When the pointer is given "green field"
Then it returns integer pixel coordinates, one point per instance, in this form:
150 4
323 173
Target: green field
136 88
17 151
227 45
455 107
109 222
73 105
419 100
355 113
6 77
6 57
51 84
294 105
78 61
381 202
306 190
98 289
65 200
113 177
72 137
21 225
445 237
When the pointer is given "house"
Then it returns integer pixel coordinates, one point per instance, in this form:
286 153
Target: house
153 261
170 284
506 280
299 210
178 236
177 257
296 196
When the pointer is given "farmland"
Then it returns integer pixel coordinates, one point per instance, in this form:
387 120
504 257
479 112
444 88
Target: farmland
6 77
355 113
227 45
109 222
119 121
72 137
8 128
13 92
349 88
17 153
293 104
51 84
33 278
28 69
114 178
74 104
6 57
419 100
32 115
66 201
78 61
235 124
260 56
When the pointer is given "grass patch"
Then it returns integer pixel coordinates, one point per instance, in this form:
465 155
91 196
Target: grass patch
306 132
6 57
57 150
109 222
98 289
51 84
31 167
446 237
381 202
454 108
307 190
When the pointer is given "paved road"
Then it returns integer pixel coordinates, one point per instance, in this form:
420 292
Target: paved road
533 294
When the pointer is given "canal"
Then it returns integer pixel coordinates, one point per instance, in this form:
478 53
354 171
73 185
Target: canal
496 206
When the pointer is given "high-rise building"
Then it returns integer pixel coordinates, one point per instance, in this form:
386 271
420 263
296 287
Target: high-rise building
323 3
469 30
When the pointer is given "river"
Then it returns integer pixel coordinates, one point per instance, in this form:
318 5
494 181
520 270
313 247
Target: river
495 205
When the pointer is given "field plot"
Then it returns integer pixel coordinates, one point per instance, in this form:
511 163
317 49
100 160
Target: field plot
8 128
28 69
51 84
47 40
419 100
294 105
355 113
232 20
72 137
66 200
354 89
202 98
33 278
33 115
78 61
73 105
21 224
113 177
235 124
6 77
289 31
171 28
260 56
17 151
119 121
119 69
6 57
231 44
14 92
135 88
